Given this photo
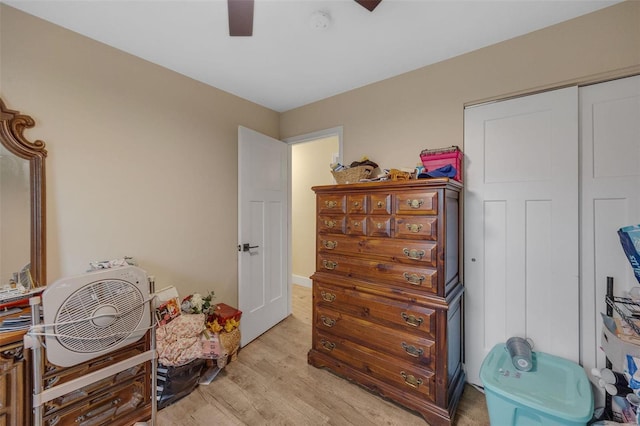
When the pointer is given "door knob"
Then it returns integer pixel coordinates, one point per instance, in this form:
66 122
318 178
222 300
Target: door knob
246 247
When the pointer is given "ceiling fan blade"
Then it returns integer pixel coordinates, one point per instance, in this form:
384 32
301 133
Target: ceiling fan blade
369 4
240 17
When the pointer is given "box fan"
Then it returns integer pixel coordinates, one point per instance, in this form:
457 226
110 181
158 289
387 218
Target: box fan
95 313
87 316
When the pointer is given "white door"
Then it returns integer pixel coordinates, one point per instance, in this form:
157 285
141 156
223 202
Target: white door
521 225
263 287
610 180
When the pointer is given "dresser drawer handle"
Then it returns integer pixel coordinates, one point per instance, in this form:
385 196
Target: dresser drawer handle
411 380
328 297
380 225
415 204
329 264
101 361
51 382
414 227
412 350
331 204
328 322
356 204
330 223
328 345
329 245
413 253
356 224
104 409
414 279
412 320
380 204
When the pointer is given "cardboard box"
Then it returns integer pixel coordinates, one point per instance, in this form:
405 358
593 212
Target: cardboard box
224 312
617 349
211 347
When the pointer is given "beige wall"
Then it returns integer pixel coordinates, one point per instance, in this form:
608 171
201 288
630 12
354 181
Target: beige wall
393 120
309 167
142 161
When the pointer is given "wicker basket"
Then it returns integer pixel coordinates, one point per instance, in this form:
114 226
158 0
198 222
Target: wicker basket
230 341
352 174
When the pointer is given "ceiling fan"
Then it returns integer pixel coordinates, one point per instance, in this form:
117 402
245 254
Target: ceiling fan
241 15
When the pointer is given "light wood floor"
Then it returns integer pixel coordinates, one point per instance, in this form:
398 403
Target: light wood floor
271 384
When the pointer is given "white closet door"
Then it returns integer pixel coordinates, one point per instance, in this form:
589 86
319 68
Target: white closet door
521 225
610 179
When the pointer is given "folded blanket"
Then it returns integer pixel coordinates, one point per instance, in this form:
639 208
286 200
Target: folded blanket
444 171
178 342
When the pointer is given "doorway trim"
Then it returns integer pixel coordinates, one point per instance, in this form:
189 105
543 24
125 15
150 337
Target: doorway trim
307 137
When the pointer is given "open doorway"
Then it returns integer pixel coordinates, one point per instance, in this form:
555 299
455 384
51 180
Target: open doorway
311 156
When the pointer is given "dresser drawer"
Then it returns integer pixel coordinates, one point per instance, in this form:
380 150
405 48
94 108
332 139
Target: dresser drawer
383 311
423 253
331 224
404 275
403 375
357 225
11 382
416 227
55 375
330 203
380 204
425 202
357 203
409 347
93 389
343 244
106 408
379 226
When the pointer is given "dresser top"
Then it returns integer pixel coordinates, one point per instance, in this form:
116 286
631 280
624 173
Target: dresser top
7 338
389 184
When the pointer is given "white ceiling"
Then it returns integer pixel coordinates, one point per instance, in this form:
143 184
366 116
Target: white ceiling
288 63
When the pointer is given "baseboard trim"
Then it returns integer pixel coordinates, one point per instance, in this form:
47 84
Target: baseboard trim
300 280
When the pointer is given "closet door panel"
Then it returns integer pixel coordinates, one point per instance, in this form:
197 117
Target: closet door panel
495 277
607 150
614 133
517 148
610 178
521 225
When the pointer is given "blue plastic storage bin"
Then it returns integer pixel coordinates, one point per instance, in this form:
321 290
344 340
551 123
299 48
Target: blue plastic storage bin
555 392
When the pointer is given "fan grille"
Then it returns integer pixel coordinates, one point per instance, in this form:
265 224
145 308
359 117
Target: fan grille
89 335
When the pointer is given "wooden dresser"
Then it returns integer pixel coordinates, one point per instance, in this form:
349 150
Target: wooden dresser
387 296
14 380
121 399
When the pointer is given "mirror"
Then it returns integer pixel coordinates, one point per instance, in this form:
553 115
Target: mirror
22 201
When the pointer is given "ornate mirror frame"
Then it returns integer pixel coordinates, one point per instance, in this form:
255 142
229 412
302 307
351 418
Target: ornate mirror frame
12 126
